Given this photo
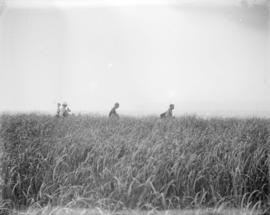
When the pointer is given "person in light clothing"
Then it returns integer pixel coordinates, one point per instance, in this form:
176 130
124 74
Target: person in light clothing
65 111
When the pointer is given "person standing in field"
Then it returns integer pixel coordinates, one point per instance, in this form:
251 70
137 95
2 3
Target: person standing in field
113 112
168 113
58 110
64 112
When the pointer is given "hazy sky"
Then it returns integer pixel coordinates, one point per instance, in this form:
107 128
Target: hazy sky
199 55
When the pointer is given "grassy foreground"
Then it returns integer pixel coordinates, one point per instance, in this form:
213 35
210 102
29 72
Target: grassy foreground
69 211
142 163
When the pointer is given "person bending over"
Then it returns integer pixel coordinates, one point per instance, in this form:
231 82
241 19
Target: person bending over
113 112
168 113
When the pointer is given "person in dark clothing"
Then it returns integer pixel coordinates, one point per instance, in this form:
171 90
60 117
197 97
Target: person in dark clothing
58 110
168 113
113 112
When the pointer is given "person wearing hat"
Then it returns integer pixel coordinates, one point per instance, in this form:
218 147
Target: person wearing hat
168 113
64 112
113 112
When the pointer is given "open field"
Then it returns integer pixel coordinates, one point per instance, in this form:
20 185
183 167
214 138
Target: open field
135 163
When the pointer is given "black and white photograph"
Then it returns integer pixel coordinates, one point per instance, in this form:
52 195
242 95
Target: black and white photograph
134 107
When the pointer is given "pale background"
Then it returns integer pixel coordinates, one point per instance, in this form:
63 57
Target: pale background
206 57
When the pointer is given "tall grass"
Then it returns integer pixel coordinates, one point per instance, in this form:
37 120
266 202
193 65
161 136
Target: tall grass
146 163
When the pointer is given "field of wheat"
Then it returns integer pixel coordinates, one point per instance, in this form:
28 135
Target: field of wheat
89 161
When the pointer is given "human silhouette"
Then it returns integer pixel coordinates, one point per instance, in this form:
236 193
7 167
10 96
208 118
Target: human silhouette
58 110
168 113
113 112
64 112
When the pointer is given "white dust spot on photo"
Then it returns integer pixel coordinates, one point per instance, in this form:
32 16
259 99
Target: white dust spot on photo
109 66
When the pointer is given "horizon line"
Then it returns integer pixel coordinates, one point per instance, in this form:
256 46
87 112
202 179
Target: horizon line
200 113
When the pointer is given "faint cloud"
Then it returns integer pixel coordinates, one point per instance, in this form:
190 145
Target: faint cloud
252 13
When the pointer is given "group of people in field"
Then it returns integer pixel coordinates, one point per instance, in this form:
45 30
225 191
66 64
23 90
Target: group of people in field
63 111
